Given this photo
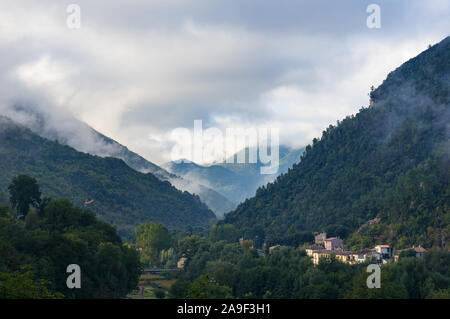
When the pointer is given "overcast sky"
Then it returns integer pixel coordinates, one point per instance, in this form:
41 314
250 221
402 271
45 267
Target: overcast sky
136 70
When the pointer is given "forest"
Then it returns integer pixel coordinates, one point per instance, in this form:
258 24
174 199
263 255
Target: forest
121 196
221 266
389 161
40 237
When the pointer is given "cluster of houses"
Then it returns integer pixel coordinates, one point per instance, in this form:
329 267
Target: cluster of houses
326 247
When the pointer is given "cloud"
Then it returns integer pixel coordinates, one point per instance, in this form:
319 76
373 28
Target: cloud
138 69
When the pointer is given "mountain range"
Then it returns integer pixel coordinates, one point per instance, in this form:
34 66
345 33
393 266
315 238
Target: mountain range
236 181
221 186
122 196
390 160
66 129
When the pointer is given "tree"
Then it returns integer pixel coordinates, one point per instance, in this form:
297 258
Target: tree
179 288
19 285
24 192
3 199
159 293
3 211
407 253
223 232
44 202
207 288
153 238
32 220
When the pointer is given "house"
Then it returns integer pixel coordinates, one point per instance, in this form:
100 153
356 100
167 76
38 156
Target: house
181 262
333 243
385 251
348 257
317 254
419 252
311 249
318 239
366 254
345 256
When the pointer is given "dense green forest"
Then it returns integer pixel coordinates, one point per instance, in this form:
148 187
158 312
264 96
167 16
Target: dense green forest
219 266
37 247
122 196
222 266
390 161
84 138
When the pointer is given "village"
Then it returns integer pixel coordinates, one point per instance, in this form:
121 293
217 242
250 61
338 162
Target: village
324 247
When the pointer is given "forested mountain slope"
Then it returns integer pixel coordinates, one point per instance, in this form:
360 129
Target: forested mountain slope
390 160
122 196
68 130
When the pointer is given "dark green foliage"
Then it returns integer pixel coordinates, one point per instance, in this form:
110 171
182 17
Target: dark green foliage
407 253
371 164
64 235
221 270
207 288
24 192
152 238
159 293
4 211
3 200
417 210
225 232
293 240
18 285
427 277
180 288
122 196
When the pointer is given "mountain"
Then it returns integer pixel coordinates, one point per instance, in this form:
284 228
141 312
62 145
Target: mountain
218 203
70 131
122 196
390 160
235 181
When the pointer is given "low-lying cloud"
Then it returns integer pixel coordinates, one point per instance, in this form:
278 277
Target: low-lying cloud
136 70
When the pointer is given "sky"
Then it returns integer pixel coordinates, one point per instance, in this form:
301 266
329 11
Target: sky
135 70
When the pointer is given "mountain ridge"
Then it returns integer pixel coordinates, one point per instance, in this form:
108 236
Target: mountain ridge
348 176
123 196
235 181
66 129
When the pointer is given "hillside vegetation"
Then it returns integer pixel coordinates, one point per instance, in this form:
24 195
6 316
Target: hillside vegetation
36 252
122 196
390 160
